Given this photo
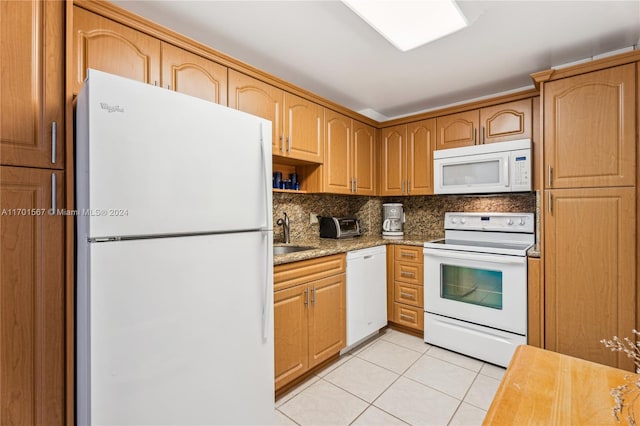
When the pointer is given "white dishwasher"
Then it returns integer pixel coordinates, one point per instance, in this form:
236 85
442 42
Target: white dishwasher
366 293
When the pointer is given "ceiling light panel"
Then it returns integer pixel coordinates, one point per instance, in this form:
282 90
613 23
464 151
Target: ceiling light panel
408 24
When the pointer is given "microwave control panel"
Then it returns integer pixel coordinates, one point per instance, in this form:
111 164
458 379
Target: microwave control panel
521 170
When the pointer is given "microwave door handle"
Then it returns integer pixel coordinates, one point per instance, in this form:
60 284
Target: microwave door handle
507 164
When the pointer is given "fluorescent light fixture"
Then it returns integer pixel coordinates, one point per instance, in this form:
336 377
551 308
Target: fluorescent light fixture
408 24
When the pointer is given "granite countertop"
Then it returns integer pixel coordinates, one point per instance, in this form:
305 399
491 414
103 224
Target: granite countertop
328 246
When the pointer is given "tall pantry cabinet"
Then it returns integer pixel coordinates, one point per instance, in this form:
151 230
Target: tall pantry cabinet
32 314
590 212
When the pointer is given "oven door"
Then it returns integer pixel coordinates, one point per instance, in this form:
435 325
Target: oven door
485 289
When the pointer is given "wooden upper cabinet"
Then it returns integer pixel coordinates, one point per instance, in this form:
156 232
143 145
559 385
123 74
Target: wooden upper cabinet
364 158
105 45
392 160
498 123
349 162
32 95
193 75
338 161
32 304
505 122
590 267
255 97
303 129
421 139
458 130
590 129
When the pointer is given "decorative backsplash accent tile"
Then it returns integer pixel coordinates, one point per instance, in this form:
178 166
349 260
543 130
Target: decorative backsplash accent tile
424 214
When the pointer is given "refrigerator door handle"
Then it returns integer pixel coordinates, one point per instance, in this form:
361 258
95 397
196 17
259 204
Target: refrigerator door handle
267 187
265 290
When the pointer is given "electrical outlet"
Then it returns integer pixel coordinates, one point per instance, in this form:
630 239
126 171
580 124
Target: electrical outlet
313 218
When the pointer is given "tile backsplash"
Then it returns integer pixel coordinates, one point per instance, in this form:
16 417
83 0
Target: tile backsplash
424 214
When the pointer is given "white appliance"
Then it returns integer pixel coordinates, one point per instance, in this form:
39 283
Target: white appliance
366 293
488 168
174 290
392 220
475 284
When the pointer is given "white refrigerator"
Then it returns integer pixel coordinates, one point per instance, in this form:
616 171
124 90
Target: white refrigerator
174 308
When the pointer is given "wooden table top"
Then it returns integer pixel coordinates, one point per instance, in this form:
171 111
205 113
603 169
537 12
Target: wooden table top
542 387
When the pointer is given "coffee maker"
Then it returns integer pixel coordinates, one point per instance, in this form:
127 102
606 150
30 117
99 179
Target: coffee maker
392 220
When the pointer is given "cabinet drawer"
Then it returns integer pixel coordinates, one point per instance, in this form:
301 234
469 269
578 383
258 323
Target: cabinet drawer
408 254
291 274
409 316
409 294
408 273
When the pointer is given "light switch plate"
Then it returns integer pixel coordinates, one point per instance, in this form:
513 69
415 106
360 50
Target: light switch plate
313 218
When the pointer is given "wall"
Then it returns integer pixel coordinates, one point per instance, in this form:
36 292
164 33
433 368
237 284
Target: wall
424 214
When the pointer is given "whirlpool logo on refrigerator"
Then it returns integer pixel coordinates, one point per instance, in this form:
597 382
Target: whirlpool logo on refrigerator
111 108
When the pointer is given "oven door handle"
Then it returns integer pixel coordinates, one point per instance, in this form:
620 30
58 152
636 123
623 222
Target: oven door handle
483 257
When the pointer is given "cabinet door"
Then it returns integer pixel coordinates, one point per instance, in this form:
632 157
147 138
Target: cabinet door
304 129
291 337
392 160
193 75
421 137
32 95
506 122
255 97
590 280
590 129
337 154
104 45
327 320
363 153
457 130
32 341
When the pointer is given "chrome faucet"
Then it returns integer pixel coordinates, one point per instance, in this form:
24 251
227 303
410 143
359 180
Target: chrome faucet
285 228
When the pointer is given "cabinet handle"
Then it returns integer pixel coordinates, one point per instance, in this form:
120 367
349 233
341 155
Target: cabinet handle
407 274
407 295
306 297
289 143
549 174
53 193
352 185
313 296
356 184
54 141
409 255
169 86
408 186
282 143
549 201
475 139
155 82
402 187
407 317
483 137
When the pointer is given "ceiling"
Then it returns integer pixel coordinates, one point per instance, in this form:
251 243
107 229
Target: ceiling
327 49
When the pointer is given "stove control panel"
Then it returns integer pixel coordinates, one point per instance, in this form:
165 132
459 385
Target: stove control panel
499 222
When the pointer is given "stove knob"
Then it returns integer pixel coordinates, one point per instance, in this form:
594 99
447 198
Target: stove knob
510 222
454 220
463 220
522 222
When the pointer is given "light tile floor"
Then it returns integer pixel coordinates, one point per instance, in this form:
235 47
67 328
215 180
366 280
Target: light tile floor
394 379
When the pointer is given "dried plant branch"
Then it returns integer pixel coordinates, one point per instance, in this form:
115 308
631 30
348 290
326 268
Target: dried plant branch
631 389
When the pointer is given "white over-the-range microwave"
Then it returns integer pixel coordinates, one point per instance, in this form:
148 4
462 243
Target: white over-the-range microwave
483 169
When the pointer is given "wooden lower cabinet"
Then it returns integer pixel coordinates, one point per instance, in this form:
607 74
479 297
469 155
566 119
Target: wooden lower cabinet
589 271
309 315
32 336
405 286
535 303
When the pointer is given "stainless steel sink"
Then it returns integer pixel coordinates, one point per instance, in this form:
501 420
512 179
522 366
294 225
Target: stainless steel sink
289 249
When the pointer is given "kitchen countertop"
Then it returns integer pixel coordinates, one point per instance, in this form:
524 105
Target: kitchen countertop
542 387
329 246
